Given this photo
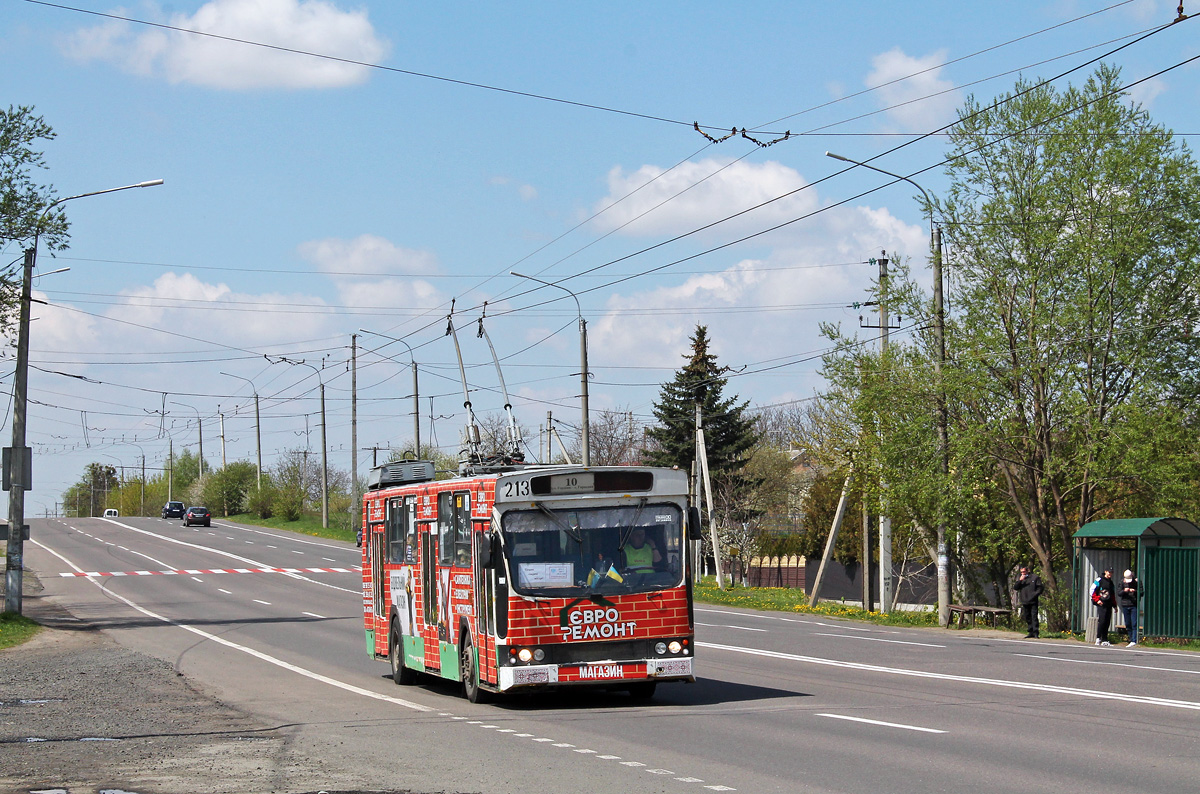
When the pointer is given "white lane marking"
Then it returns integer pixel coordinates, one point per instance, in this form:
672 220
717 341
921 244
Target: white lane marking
783 619
880 722
720 626
1109 664
260 601
269 546
151 559
966 679
223 590
296 552
313 615
329 559
357 690
876 639
562 744
197 579
289 539
230 555
632 763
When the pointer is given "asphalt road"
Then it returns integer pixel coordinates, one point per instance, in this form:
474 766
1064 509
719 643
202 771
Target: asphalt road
789 704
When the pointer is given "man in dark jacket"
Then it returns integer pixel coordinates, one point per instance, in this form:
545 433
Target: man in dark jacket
1128 600
1104 587
1029 588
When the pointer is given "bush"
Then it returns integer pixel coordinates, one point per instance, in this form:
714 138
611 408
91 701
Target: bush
261 501
288 503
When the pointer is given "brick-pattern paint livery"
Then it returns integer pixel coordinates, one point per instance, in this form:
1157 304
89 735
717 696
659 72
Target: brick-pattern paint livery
663 614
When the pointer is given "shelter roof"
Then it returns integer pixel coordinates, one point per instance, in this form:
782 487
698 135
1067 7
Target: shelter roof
1139 527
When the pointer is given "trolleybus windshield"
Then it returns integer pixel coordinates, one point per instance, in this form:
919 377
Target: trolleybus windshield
569 552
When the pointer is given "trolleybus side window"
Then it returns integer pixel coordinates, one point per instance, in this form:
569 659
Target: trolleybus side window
397 535
454 528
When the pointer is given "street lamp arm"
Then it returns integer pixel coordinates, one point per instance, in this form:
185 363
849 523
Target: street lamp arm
584 435
928 201
552 284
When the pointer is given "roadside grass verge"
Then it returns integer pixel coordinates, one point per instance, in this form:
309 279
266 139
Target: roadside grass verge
786 599
306 525
16 629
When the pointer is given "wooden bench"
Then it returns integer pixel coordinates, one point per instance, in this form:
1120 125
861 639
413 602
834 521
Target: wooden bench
967 612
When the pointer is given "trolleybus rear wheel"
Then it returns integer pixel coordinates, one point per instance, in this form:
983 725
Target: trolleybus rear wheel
643 690
401 673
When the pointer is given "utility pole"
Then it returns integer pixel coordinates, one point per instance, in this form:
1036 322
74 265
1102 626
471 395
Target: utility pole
939 333
355 508
170 468
19 462
885 522
324 465
222 416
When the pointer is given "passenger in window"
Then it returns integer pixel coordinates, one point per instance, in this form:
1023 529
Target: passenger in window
641 555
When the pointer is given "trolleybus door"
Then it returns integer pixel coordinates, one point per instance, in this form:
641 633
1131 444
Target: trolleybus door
429 593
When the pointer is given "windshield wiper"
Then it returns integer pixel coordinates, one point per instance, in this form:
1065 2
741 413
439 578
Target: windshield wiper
633 524
572 532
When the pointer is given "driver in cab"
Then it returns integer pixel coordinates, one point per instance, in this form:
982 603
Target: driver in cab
641 555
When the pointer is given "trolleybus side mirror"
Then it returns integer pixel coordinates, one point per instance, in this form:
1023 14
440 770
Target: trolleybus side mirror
487 549
694 531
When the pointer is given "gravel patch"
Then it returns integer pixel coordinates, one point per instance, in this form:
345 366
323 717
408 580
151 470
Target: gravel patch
79 713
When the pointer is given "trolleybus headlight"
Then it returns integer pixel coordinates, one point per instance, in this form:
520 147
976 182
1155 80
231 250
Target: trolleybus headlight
525 654
660 648
675 647
539 655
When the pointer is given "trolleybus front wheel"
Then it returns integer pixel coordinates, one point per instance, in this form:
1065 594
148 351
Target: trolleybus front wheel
401 673
470 672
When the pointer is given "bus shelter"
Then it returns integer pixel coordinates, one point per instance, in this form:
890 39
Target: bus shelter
1165 557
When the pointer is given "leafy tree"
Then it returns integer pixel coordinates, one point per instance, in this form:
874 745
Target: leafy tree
1076 227
22 200
185 470
89 495
224 491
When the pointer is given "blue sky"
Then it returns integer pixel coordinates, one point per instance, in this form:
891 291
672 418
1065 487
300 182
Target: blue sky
308 197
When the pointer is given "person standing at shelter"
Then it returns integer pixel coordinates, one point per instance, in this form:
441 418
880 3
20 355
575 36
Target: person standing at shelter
1127 597
1029 588
1104 604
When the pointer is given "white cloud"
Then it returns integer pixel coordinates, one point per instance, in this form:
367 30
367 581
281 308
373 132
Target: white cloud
367 253
1145 93
919 114
172 300
651 328
365 270
698 193
526 192
314 26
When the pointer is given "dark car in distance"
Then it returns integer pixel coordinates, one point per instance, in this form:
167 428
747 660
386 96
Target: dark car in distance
197 515
173 510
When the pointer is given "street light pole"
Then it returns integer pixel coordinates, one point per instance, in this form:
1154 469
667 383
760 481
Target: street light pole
257 425
583 359
324 444
939 336
20 462
416 396
199 437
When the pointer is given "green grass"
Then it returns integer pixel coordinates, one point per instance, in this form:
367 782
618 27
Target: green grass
16 629
786 599
306 525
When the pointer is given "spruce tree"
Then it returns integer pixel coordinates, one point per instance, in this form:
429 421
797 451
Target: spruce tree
728 435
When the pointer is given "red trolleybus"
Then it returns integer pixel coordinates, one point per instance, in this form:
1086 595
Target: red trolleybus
530 578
